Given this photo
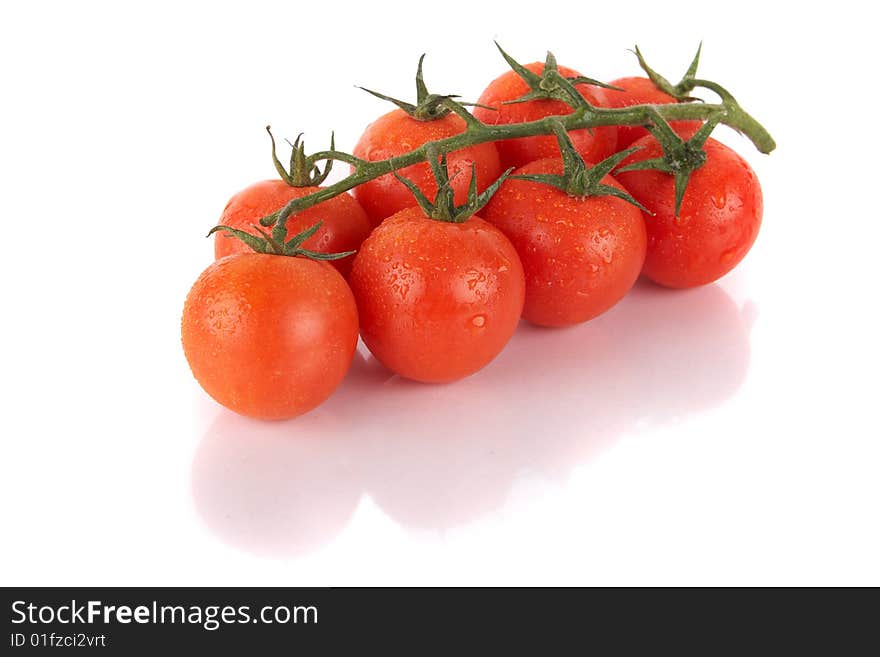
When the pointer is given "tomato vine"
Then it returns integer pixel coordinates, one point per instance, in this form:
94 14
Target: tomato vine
680 157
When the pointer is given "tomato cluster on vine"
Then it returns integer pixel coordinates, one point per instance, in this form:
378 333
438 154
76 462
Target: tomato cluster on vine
545 203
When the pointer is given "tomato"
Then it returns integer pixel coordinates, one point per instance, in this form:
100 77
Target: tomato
437 300
593 146
639 91
269 336
396 133
580 254
344 224
718 222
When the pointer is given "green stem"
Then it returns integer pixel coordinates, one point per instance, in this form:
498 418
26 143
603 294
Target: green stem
478 133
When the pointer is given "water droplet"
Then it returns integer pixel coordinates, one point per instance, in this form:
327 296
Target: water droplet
728 255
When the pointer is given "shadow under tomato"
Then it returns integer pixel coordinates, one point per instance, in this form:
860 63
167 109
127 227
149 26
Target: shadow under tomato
440 456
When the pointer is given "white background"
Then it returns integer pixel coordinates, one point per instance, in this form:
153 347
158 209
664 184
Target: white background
725 435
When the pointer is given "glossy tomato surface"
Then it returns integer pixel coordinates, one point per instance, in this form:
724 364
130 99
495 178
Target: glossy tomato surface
639 91
580 255
437 300
396 133
269 336
593 147
344 224
718 222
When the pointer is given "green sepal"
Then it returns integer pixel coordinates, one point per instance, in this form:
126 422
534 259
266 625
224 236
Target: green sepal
297 240
421 88
655 164
608 190
526 98
276 243
680 158
314 255
443 207
582 79
576 178
530 78
445 197
258 244
681 91
478 202
285 175
459 108
428 106
301 172
550 84
409 108
421 199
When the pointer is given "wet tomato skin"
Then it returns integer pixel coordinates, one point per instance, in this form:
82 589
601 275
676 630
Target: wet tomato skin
580 255
719 219
639 91
593 146
396 133
269 337
437 300
344 224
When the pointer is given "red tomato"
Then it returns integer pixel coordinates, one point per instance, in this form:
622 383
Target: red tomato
344 224
580 255
396 133
269 336
718 222
437 300
593 147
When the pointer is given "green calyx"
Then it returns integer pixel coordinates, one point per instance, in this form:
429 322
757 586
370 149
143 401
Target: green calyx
276 242
301 172
443 208
735 115
428 106
550 84
680 157
681 91
579 180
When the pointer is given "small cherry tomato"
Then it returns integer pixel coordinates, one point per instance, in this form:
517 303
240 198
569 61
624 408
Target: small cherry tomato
718 221
344 224
593 145
396 133
269 336
437 300
580 255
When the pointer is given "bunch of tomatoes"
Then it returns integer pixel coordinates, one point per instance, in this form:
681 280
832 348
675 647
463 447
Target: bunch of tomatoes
434 265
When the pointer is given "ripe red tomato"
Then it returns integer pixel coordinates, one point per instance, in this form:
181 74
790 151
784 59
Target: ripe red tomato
718 222
437 300
396 133
639 91
593 147
344 224
580 255
269 336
